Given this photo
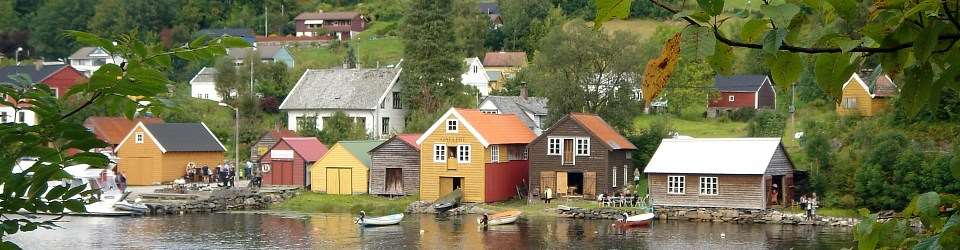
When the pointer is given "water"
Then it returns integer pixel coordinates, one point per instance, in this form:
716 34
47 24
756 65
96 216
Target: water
337 231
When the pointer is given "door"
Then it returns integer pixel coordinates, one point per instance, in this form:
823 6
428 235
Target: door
446 186
346 182
568 152
548 179
333 181
562 186
590 184
393 181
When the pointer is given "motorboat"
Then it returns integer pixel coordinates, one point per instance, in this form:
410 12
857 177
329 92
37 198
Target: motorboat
501 218
392 219
639 220
448 201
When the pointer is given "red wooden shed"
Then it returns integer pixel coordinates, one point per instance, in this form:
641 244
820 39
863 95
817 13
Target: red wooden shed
286 163
742 91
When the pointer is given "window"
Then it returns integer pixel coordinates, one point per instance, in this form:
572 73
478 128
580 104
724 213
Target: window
583 146
525 153
451 126
488 111
386 125
626 174
439 153
495 153
629 155
56 92
3 117
708 185
614 172
675 184
463 154
850 103
396 101
474 69
730 98
553 146
362 122
22 117
139 139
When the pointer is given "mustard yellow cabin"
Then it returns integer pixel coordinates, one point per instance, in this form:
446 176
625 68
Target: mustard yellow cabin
153 154
866 97
344 169
482 154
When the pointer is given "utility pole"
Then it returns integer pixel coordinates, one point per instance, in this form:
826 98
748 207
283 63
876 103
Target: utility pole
265 18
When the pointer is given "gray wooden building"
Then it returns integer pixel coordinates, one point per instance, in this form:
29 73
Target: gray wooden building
751 173
395 166
580 156
266 141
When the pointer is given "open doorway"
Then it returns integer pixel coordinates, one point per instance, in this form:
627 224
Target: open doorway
775 191
575 184
448 184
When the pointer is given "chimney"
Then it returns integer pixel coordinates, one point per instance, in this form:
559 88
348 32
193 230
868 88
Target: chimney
523 92
38 64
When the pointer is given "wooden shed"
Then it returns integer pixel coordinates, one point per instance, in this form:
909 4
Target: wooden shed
266 141
285 164
742 91
395 166
750 173
580 156
868 95
343 169
154 154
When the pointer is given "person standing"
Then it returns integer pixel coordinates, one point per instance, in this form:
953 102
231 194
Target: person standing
813 205
232 173
206 173
548 194
121 179
247 170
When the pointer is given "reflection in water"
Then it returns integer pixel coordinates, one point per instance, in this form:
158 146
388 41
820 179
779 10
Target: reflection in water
337 231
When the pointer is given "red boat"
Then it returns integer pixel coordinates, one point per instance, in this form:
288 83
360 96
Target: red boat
636 220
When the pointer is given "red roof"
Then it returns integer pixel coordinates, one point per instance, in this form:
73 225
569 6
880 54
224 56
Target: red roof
113 129
289 38
280 133
601 129
327 15
410 139
498 128
505 59
310 148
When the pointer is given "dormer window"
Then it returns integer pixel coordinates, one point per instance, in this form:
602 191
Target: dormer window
451 126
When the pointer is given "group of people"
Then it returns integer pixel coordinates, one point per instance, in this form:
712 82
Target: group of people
117 182
222 174
809 204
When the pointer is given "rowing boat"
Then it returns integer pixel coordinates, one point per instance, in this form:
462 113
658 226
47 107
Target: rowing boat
636 220
501 218
448 201
392 219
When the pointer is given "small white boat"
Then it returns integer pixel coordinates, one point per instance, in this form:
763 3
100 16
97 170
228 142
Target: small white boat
501 218
392 219
637 220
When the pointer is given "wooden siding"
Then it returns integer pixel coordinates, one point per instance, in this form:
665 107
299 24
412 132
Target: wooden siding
265 143
766 96
472 173
285 172
395 154
338 157
503 179
734 191
145 164
780 164
865 106
740 100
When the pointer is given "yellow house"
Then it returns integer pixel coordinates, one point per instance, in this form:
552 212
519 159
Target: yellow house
344 169
503 65
482 154
154 154
866 96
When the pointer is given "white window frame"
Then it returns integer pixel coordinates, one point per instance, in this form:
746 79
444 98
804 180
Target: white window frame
138 137
676 184
626 175
3 117
850 103
463 153
582 146
494 153
731 98
21 117
439 153
456 125
709 185
554 141
526 153
614 176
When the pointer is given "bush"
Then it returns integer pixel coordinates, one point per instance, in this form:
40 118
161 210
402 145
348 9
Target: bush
767 124
743 115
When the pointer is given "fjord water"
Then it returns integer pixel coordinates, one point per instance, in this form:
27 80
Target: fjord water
337 231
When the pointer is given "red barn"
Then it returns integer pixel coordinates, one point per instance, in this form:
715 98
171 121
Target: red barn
342 25
286 163
60 77
742 91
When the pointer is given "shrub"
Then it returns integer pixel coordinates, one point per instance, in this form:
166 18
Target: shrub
743 115
767 124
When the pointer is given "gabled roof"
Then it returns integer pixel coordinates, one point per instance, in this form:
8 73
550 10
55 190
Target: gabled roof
310 148
601 129
518 105
88 53
346 15
266 52
740 83
505 59
280 133
113 129
36 75
246 34
488 128
875 83
714 156
341 89
359 149
206 74
409 139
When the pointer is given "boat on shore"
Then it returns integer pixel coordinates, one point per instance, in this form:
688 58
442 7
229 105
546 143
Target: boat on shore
636 220
448 201
501 218
392 219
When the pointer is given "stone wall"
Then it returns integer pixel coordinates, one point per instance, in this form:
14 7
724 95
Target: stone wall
747 216
223 200
426 207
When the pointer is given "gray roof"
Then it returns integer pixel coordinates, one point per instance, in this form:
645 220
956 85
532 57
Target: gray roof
516 105
207 74
30 70
84 53
185 137
266 52
739 83
246 34
355 88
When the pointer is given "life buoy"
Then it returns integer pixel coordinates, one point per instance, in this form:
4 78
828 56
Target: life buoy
265 168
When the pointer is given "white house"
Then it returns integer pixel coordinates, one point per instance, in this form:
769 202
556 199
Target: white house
531 110
89 59
369 96
9 114
204 86
476 76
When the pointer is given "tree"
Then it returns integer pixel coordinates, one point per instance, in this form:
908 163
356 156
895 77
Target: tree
52 19
519 18
581 70
649 140
56 134
9 20
337 127
110 18
470 26
767 124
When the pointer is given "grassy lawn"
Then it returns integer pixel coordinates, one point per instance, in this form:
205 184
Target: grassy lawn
706 128
385 50
318 58
538 208
309 202
828 212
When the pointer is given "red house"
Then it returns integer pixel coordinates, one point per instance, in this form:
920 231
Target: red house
286 163
742 91
60 77
342 25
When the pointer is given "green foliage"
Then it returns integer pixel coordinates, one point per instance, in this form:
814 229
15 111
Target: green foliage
470 26
50 22
520 18
648 141
743 115
338 127
9 20
767 124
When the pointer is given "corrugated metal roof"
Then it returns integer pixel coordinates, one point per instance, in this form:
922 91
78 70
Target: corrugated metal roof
739 83
713 156
185 137
340 89
310 148
359 149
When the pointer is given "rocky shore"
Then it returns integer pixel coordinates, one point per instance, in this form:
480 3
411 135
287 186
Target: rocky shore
220 200
426 207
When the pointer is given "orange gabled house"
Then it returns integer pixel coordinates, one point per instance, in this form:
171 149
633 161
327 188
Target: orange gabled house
866 94
484 154
153 154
